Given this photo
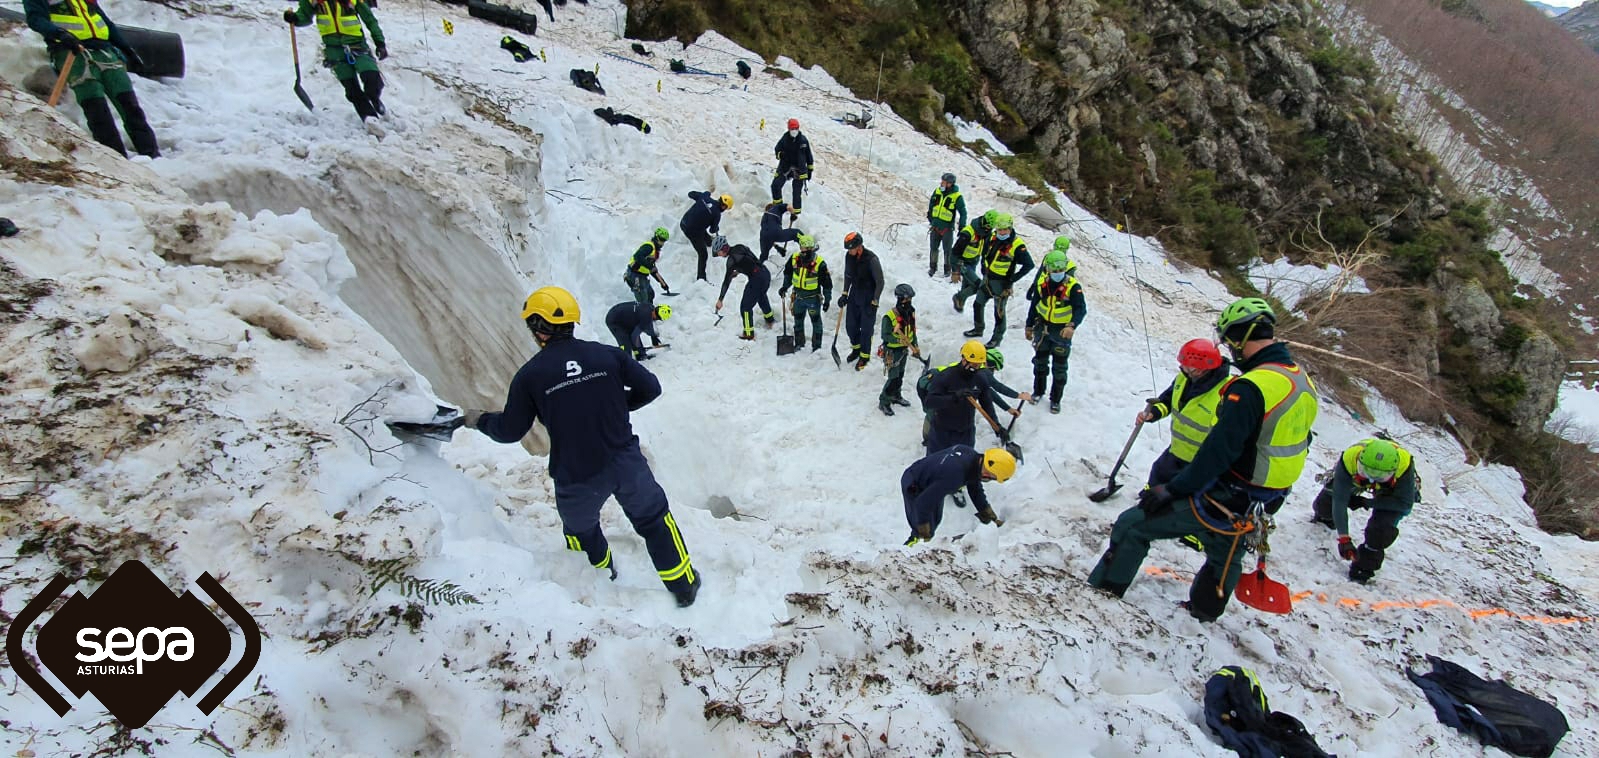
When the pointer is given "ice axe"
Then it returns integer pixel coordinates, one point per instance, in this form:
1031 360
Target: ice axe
1004 436
1111 486
299 91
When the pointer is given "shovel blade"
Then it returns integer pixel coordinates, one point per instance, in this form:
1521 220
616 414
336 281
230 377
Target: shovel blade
441 431
1105 493
1260 592
305 99
838 360
785 344
1015 450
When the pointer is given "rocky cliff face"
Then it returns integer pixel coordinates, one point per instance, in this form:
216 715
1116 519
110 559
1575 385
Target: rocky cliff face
1584 22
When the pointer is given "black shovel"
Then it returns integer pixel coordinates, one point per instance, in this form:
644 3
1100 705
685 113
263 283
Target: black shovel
299 91
785 341
443 425
1004 436
837 359
1110 487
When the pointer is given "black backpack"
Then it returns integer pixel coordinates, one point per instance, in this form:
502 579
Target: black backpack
1236 710
924 382
1493 712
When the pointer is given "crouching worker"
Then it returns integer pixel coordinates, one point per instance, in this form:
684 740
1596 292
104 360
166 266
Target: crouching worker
928 481
1375 474
583 392
629 322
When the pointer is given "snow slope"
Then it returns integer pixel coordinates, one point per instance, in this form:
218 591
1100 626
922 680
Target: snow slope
197 385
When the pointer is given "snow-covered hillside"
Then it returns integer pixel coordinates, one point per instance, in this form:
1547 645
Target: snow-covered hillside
198 349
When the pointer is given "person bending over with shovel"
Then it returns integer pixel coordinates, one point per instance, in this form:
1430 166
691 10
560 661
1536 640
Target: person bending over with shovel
87 49
344 48
741 260
1251 458
926 483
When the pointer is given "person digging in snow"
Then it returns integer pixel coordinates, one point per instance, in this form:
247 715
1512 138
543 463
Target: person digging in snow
1058 309
700 221
807 274
1253 455
1375 474
951 418
926 483
629 322
863 285
772 231
793 152
943 207
100 64
582 392
344 49
899 344
645 264
741 260
1005 261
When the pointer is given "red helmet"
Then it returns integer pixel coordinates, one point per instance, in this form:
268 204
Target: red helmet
793 123
1199 354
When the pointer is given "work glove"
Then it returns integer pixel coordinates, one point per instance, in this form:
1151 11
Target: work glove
987 516
782 292
1154 499
469 418
1005 292
382 51
1015 412
1146 415
1346 547
289 16
64 38
966 392
924 531
132 58
1066 332
1027 333
874 303
842 300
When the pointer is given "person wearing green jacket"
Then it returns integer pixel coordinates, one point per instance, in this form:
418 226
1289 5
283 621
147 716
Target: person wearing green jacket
100 63
344 48
943 208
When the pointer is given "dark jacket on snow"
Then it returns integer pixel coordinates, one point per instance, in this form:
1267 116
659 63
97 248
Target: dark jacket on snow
1493 712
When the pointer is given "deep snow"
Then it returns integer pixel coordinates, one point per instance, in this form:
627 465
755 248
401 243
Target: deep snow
228 344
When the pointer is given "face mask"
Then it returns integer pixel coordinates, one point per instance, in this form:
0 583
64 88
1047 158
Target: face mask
1058 276
1002 236
793 132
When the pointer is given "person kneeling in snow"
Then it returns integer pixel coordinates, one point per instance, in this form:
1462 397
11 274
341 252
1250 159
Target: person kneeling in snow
1384 475
344 48
928 481
629 322
583 392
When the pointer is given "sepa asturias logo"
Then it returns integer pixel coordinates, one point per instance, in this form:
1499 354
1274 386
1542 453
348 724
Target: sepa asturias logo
133 644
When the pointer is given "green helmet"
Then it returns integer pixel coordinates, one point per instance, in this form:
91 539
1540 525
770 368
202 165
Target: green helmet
661 235
990 217
1063 243
1055 260
996 359
1248 310
806 242
1001 221
1378 462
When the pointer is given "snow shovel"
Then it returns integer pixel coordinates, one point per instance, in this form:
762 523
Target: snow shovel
1261 592
838 361
61 79
299 91
785 341
1111 487
1004 436
443 425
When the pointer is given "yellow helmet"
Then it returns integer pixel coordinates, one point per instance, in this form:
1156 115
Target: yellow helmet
999 464
552 304
727 202
975 353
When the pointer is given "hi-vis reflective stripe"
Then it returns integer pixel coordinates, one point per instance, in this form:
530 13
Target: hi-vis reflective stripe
1254 685
684 569
606 561
81 22
573 544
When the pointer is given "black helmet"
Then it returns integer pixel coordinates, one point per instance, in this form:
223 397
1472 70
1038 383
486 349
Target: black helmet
904 292
949 178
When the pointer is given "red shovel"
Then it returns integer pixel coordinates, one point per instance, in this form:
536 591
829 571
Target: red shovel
1261 592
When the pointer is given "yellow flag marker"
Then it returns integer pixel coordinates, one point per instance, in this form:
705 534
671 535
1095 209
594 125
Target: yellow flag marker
657 85
542 57
449 28
763 124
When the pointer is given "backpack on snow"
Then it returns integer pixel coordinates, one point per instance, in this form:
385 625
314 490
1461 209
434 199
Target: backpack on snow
586 79
1236 710
1493 712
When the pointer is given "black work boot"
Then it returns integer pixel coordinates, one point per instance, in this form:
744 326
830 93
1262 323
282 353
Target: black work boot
976 331
685 597
887 409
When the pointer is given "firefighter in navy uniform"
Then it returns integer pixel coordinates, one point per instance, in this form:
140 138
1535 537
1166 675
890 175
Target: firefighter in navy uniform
899 344
741 260
794 162
806 273
863 285
951 419
772 231
646 264
582 392
926 483
700 221
1253 455
630 322
1377 474
99 69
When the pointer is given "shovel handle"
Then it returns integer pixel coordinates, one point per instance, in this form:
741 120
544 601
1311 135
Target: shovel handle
61 79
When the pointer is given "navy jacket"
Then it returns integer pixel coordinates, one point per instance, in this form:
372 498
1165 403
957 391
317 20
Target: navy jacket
1231 444
772 218
951 412
863 278
635 319
928 481
740 260
705 214
793 152
582 392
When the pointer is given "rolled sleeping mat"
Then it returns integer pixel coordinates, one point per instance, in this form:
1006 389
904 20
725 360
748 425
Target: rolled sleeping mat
162 51
503 15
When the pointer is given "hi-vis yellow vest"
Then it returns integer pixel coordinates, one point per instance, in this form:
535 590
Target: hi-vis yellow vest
898 337
1003 254
974 247
1054 310
1284 439
77 17
333 18
804 278
944 204
1191 423
1351 461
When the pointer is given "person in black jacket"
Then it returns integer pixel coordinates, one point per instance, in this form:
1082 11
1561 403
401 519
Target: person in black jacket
807 274
863 285
772 231
701 220
926 483
793 161
951 418
629 322
741 260
582 392
100 65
